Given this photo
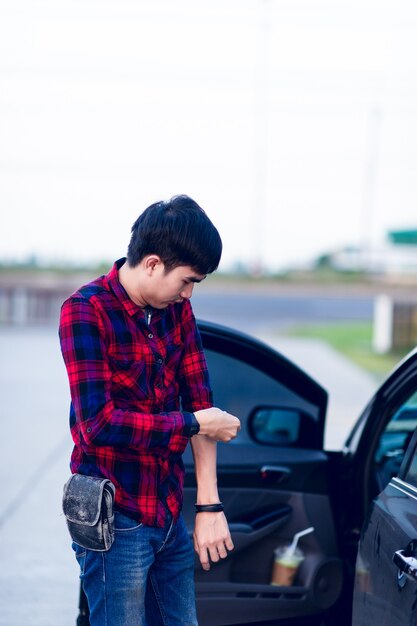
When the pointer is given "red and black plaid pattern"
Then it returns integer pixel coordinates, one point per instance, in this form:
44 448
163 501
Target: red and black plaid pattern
133 389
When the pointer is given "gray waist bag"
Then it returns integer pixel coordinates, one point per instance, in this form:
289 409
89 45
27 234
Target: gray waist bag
88 506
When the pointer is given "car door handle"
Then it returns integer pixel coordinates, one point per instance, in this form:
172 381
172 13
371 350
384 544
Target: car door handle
406 564
275 474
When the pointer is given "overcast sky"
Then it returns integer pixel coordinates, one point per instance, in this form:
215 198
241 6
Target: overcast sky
293 123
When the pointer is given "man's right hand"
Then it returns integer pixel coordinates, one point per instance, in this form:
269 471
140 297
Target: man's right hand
217 424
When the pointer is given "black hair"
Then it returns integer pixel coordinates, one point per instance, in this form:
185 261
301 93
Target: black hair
179 232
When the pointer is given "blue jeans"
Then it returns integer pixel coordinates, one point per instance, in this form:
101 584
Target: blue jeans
146 578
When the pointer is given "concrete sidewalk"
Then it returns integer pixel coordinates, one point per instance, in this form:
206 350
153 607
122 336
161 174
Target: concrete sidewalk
38 574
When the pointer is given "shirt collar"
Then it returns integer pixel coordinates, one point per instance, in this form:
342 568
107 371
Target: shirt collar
119 291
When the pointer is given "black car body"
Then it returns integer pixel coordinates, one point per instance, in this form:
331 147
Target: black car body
275 480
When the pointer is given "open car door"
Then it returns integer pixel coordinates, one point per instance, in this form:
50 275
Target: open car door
273 481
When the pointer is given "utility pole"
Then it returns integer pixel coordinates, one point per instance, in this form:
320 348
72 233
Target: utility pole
369 185
261 128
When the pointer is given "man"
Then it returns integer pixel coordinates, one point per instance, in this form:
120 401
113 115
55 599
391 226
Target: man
140 391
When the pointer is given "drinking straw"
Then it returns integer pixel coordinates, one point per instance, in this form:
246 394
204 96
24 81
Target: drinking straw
292 547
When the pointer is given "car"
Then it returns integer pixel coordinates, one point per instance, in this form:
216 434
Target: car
275 480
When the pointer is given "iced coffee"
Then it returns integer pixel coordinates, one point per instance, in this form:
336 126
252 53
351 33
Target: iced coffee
286 564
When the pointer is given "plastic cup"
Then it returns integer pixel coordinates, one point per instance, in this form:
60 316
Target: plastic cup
286 565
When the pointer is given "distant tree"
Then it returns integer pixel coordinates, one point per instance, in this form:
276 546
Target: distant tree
324 261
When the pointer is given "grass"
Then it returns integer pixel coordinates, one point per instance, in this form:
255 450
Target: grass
353 340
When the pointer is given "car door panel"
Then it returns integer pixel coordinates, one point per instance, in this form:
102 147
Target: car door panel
246 573
269 492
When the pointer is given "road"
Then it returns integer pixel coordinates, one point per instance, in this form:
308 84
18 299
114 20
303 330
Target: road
253 312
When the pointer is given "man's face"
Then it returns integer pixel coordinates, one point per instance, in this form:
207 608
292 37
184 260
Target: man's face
166 288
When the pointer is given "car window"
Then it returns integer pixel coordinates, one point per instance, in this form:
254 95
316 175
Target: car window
394 442
411 473
242 389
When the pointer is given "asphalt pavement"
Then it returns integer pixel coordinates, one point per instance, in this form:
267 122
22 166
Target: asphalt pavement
38 574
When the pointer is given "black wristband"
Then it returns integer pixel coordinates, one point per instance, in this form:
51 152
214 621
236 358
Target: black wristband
209 508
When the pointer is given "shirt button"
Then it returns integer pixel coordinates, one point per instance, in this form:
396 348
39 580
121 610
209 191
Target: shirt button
150 335
89 430
160 361
158 385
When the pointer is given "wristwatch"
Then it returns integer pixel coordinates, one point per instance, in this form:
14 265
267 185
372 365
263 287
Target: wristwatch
195 426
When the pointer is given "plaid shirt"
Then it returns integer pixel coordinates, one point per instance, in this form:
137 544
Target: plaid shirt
126 381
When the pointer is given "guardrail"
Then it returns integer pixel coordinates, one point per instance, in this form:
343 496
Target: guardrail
26 300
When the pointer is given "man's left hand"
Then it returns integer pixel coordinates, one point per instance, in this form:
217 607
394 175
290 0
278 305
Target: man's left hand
212 538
